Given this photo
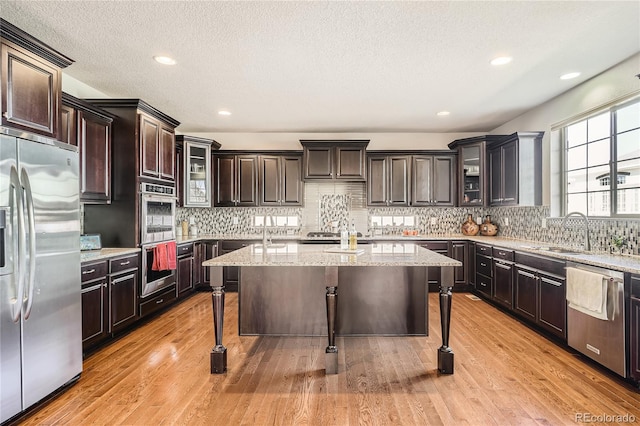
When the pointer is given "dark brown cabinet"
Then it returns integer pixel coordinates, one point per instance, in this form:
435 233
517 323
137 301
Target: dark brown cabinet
540 292
388 180
433 180
89 128
634 329
339 160
231 274
236 180
31 82
433 272
123 291
459 250
280 180
194 177
157 144
515 170
95 303
484 270
503 276
209 251
185 266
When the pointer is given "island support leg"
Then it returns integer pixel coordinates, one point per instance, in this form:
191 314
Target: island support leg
445 354
219 352
331 353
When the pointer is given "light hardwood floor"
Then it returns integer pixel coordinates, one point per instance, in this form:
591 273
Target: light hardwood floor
505 373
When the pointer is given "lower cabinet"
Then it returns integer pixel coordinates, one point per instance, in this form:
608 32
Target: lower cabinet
433 272
109 297
503 276
123 291
540 292
231 274
185 284
484 270
458 250
209 251
634 329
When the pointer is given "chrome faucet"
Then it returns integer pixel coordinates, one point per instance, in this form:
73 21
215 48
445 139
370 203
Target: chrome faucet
587 245
266 241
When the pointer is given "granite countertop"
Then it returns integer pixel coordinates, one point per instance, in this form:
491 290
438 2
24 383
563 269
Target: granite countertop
105 253
295 254
624 263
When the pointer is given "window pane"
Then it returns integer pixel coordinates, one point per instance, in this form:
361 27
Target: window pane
628 117
577 157
577 134
577 203
631 171
599 178
577 181
629 201
599 127
599 203
599 152
628 145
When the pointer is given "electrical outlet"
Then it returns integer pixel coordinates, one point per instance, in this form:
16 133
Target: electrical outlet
434 221
544 223
235 220
506 221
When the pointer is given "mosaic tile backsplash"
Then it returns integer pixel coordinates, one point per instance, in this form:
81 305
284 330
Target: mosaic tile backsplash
328 203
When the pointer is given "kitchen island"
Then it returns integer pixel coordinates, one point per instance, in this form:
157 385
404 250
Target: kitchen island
384 287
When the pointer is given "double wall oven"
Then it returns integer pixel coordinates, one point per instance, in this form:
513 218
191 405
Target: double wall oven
157 226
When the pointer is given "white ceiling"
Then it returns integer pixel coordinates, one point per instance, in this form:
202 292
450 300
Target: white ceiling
353 66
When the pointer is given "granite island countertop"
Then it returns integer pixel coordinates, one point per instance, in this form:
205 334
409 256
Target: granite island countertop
295 254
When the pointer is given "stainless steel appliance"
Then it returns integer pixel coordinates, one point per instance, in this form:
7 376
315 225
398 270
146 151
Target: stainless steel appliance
40 305
157 225
602 340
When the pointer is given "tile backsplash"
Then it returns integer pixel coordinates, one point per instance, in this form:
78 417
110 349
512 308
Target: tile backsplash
337 202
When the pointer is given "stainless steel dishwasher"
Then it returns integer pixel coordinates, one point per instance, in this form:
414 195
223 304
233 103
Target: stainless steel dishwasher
601 340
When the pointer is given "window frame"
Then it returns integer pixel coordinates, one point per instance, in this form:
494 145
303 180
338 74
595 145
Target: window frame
611 109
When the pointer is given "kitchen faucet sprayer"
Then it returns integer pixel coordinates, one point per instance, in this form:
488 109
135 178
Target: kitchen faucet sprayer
587 244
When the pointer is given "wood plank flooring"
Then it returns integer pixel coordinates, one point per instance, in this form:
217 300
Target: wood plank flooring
505 373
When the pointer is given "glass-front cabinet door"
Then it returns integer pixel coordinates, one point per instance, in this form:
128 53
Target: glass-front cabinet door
197 174
472 175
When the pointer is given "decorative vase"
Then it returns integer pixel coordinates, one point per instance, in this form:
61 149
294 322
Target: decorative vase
470 227
487 228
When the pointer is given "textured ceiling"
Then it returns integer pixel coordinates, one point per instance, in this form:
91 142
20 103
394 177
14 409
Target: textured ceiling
334 66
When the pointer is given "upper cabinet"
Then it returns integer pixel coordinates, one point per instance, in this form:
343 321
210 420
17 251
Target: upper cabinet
31 82
280 180
89 128
433 180
515 170
388 179
339 160
235 180
473 187
193 170
411 179
143 141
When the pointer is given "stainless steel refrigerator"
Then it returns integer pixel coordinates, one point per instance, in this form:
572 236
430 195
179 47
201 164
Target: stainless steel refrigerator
40 305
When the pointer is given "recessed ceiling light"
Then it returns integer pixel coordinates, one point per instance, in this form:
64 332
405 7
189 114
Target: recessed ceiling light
441 113
569 76
501 60
224 112
165 60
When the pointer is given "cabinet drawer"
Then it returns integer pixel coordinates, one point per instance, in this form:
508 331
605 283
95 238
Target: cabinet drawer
483 249
123 263
227 246
484 284
635 286
438 246
546 264
158 302
92 271
483 265
184 250
504 254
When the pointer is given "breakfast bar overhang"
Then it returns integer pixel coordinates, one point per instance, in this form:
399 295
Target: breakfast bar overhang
287 289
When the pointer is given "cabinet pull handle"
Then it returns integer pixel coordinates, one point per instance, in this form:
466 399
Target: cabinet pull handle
125 263
89 271
159 301
483 264
501 253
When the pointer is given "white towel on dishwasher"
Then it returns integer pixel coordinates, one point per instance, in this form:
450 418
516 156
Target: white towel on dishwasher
587 292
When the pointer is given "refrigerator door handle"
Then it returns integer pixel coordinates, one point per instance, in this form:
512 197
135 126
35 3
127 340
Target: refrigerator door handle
24 177
19 242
